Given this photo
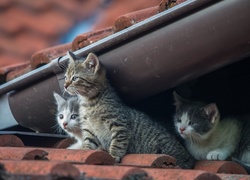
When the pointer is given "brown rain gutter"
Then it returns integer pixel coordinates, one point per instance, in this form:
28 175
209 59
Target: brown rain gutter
180 44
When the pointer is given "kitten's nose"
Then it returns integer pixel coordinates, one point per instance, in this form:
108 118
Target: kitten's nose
65 125
182 129
66 85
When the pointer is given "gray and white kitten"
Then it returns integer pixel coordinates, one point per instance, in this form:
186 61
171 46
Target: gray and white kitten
206 136
68 118
107 122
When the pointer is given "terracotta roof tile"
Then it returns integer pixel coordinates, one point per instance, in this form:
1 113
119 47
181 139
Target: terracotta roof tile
27 27
64 155
227 167
130 19
46 55
113 172
26 21
118 8
96 164
9 72
22 21
80 156
150 160
86 39
7 45
234 176
75 8
53 16
18 71
22 154
5 4
33 6
64 143
163 174
10 141
9 63
40 169
15 25
166 4
50 27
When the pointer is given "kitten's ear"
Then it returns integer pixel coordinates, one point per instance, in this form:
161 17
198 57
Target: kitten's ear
178 100
59 99
92 63
72 57
212 111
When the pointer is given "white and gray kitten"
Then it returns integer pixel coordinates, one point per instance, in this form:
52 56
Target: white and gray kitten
207 137
68 118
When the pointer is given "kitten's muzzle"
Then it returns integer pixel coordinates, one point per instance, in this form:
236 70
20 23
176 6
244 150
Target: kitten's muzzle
66 85
182 130
65 125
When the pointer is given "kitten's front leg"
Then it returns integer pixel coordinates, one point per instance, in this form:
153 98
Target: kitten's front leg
119 143
89 140
218 154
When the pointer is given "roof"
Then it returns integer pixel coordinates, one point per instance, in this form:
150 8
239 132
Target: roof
56 20
40 155
47 163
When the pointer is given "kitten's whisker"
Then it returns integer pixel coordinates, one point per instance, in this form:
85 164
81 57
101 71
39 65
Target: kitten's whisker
61 78
195 137
64 91
76 91
58 129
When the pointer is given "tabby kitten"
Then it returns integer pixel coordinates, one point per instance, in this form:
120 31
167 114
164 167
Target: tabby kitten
206 136
108 123
68 118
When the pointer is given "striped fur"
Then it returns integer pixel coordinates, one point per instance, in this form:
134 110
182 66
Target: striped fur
108 123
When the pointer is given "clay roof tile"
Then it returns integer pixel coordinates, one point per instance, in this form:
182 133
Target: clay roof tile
149 160
227 167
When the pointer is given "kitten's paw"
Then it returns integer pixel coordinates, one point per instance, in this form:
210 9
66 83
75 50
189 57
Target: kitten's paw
75 146
117 159
70 147
216 155
86 148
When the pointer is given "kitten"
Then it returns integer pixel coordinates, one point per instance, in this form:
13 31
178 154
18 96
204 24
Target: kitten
68 118
108 123
242 153
206 136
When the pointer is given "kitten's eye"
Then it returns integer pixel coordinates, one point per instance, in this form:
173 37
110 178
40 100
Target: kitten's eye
73 116
190 123
60 116
178 120
74 78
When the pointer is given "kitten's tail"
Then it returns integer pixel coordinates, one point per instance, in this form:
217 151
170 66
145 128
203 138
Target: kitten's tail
246 166
183 158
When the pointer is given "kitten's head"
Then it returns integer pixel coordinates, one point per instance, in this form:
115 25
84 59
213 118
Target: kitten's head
84 77
194 120
68 114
